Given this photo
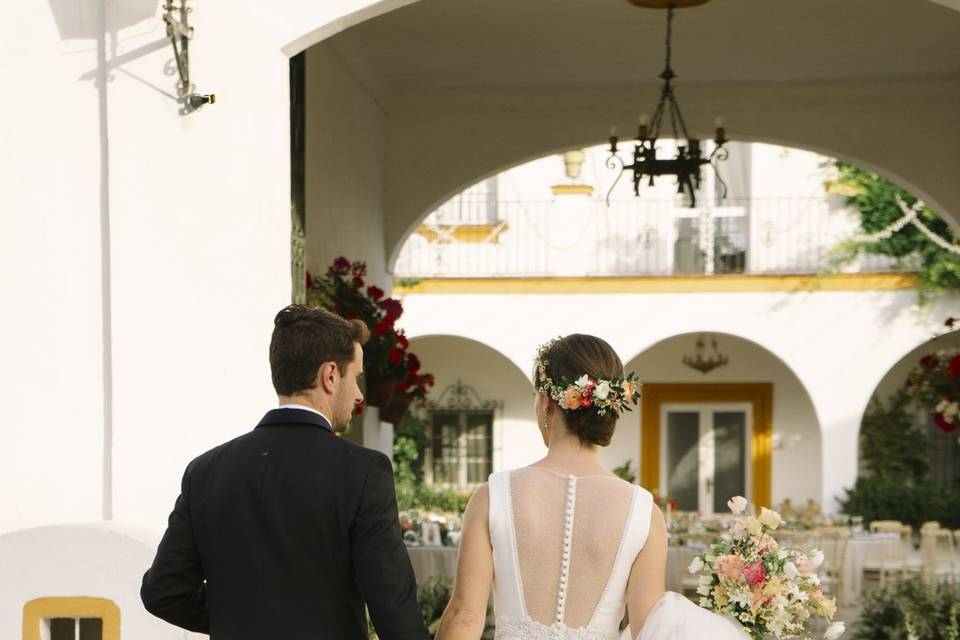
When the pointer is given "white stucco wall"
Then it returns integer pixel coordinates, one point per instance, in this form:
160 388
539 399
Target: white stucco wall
838 344
84 560
344 170
796 432
516 439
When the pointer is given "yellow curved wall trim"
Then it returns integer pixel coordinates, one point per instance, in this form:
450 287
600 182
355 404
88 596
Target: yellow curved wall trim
469 233
759 395
35 611
666 284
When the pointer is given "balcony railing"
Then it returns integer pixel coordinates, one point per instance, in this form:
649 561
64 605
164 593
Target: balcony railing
570 237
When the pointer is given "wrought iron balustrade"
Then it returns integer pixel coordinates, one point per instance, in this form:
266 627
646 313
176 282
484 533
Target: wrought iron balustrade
482 237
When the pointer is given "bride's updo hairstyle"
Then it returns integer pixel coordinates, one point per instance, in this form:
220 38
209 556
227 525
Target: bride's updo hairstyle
570 358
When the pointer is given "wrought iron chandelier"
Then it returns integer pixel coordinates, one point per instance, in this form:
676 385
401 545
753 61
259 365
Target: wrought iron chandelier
686 166
706 364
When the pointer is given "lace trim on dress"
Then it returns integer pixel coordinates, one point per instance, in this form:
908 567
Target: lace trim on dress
508 629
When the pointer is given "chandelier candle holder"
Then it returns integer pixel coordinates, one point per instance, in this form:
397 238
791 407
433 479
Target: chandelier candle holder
706 364
686 165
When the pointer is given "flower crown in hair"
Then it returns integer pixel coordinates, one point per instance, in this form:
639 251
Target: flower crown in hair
616 394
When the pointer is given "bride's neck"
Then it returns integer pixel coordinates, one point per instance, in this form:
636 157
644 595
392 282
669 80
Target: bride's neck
567 452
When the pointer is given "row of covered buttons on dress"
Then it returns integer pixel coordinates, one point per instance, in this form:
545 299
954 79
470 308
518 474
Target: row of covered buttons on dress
565 559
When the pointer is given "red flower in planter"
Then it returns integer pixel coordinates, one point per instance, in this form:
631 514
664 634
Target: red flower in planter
953 368
413 363
930 362
358 282
309 281
351 315
382 327
396 356
402 341
392 307
359 268
943 424
340 266
375 293
428 379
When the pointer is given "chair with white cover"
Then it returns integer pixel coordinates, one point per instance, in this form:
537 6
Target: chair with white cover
938 556
833 542
893 565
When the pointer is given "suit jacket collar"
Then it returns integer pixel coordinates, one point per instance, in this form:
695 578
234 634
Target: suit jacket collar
294 416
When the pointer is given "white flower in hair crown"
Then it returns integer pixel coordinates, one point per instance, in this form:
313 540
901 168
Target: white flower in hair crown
616 394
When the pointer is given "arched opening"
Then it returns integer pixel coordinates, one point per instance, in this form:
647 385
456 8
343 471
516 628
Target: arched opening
748 427
769 210
480 412
925 451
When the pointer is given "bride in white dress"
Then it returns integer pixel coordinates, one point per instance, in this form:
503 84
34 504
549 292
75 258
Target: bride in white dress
566 546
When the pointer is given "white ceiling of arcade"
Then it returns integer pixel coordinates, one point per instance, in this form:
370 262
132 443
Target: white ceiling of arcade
442 44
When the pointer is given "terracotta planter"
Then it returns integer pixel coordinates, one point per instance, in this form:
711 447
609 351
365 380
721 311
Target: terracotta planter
379 391
394 410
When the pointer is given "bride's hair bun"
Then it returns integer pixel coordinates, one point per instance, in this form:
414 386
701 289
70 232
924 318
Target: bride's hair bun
576 355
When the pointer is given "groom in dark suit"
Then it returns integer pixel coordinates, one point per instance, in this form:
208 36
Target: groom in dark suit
287 531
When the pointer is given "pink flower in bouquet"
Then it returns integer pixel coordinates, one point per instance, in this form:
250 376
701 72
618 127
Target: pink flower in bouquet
755 573
728 567
805 566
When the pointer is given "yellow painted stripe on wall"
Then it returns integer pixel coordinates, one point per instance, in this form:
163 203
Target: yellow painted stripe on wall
665 284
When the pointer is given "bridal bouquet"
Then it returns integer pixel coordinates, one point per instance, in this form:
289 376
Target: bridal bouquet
770 590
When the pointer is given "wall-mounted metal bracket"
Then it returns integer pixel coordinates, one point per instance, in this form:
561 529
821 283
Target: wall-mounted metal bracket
176 15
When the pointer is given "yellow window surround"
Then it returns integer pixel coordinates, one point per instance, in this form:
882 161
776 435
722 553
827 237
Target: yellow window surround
759 395
35 611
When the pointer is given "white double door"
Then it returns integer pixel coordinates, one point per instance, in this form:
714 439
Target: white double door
705 454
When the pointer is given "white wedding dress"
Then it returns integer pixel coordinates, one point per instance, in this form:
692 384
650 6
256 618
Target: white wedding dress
563 549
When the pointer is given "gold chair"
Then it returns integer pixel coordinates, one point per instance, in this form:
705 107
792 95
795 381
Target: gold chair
938 556
833 542
894 561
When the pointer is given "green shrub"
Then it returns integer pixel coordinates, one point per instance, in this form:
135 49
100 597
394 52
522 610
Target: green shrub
892 445
910 611
878 498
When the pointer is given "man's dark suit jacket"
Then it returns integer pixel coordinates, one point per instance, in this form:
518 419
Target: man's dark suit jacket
285 532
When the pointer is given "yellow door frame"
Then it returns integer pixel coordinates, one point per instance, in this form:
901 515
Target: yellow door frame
758 394
71 607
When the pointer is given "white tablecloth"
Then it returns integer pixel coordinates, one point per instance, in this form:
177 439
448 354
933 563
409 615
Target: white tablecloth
861 551
429 562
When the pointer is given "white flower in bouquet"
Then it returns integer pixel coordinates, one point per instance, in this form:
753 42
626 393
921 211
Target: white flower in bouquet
791 570
835 630
817 558
737 504
770 519
754 527
696 566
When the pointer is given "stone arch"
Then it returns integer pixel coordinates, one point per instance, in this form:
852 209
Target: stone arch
493 376
441 192
796 436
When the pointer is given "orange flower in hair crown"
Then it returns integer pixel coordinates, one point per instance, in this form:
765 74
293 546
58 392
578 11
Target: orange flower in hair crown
615 394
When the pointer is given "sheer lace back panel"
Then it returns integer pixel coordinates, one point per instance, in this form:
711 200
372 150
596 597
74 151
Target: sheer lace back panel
563 550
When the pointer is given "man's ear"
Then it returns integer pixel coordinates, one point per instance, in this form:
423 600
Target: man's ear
327 377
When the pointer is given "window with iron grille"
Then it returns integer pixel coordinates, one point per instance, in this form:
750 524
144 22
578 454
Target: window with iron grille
460 454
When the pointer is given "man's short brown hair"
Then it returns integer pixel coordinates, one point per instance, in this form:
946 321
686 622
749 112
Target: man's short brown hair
303 339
